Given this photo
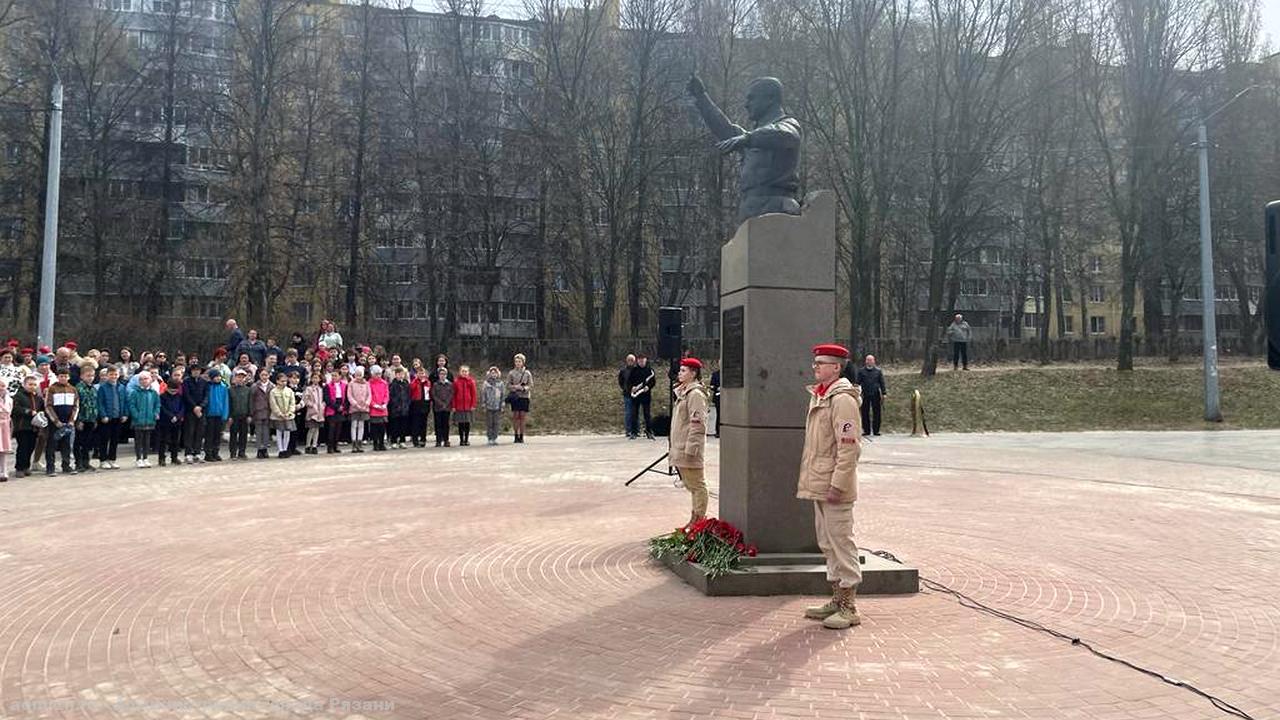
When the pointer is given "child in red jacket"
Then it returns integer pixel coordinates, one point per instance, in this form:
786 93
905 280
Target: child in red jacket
464 403
380 396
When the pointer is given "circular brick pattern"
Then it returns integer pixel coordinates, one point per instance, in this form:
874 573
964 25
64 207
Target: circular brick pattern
513 582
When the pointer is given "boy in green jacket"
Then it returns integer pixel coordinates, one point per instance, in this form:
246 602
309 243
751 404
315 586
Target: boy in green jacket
241 412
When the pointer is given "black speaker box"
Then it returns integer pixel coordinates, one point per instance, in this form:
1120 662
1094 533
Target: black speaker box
670 322
1271 296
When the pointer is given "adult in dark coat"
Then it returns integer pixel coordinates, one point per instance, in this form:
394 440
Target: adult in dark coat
234 337
624 385
870 378
641 382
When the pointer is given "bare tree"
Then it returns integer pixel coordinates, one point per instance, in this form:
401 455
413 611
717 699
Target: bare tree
972 105
1134 59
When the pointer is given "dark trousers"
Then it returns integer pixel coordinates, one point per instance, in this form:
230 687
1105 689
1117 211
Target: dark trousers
26 444
442 426
871 407
629 415
641 405
418 412
142 442
85 443
960 354
333 431
378 432
398 426
60 440
716 401
192 434
169 437
213 436
239 436
108 439
464 432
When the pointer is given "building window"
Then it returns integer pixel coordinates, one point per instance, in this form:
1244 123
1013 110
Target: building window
198 307
302 311
162 6
197 193
1226 292
383 311
12 152
978 287
991 256
199 269
1095 263
120 5
1191 291
1029 320
1069 325
1097 294
518 312
1192 323
1097 325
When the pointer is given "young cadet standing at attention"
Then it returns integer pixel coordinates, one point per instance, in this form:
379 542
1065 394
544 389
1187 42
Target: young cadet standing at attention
689 434
829 477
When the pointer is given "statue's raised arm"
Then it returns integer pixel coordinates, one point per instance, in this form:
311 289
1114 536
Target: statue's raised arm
771 150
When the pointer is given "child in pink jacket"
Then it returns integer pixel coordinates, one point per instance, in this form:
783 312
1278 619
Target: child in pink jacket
360 398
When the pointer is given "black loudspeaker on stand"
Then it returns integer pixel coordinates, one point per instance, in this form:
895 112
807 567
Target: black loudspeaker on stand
670 340
1271 294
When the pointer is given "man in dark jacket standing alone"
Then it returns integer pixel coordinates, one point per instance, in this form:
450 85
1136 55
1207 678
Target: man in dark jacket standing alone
624 384
642 381
870 378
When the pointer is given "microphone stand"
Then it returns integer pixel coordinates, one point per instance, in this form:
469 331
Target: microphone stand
671 402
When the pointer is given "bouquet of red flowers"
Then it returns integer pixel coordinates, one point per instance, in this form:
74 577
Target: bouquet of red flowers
713 543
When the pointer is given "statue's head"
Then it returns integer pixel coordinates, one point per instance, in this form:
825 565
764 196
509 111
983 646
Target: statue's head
764 96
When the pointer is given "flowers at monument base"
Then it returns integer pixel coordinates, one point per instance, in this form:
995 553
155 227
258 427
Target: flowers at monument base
714 544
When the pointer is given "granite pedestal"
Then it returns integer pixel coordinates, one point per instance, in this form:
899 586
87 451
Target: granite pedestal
777 300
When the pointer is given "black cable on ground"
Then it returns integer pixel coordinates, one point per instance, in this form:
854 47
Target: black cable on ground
969 602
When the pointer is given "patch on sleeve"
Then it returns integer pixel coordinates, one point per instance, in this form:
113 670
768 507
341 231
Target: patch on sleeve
696 416
848 433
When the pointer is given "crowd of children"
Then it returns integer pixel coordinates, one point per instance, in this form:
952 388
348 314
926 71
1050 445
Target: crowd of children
80 408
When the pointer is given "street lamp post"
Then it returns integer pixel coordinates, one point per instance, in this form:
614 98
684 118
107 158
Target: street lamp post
49 266
1209 333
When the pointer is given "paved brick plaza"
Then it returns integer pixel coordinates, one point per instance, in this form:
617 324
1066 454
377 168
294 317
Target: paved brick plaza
513 582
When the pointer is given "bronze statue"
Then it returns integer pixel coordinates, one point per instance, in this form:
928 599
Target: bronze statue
771 151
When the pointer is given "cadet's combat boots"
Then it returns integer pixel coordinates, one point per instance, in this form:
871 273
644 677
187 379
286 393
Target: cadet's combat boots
847 615
822 612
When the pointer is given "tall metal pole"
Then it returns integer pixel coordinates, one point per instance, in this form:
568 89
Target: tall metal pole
1209 336
1208 300
49 266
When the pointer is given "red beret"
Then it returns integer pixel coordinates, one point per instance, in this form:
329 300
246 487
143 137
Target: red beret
45 349
70 345
220 352
831 350
691 362
13 342
28 351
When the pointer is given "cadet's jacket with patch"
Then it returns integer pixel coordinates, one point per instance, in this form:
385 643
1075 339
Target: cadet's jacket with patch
689 426
832 443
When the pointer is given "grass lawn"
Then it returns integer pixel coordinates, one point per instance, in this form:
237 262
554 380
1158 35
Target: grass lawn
1013 398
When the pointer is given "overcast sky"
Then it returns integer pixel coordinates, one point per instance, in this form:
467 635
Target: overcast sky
516 9
1271 23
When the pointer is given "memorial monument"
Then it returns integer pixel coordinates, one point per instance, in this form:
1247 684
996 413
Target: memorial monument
777 300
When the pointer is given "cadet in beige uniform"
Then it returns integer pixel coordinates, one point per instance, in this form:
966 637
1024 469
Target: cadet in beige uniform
689 433
829 477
